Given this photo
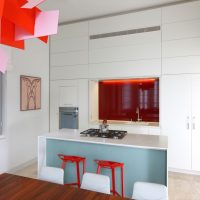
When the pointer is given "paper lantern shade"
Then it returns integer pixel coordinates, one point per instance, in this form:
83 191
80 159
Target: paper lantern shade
3 60
46 23
32 3
8 34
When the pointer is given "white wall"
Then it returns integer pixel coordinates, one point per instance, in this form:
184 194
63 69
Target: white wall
3 155
22 128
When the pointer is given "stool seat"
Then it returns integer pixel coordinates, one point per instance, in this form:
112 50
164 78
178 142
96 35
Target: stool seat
70 158
109 164
76 160
112 165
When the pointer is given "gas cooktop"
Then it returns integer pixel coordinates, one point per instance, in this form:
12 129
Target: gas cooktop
115 134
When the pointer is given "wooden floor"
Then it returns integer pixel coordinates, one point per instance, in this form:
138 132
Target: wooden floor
181 186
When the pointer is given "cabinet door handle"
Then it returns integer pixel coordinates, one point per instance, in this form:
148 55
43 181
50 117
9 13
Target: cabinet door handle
193 123
188 123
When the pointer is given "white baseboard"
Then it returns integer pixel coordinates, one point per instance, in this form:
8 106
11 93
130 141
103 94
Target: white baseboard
24 165
183 171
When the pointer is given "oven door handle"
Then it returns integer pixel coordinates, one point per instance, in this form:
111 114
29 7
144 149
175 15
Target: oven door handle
67 114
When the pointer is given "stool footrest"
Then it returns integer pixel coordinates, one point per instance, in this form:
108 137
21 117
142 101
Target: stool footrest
71 183
115 193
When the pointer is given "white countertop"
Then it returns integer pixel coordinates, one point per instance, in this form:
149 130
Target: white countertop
130 140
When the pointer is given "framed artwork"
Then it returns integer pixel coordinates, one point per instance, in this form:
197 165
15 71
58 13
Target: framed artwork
30 93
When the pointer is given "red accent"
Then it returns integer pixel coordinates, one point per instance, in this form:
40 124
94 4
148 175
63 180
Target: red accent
130 81
44 39
12 16
8 34
119 99
2 2
112 166
76 160
24 18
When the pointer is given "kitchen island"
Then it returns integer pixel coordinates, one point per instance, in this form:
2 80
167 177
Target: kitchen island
144 156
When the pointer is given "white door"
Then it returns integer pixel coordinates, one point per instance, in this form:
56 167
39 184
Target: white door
175 119
196 122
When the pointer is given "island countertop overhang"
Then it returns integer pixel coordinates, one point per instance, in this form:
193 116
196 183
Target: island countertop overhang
130 140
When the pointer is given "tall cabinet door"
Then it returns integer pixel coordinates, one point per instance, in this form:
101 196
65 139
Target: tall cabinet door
196 122
54 105
175 119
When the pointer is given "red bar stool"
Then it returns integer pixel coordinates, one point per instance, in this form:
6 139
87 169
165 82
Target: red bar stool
76 160
112 165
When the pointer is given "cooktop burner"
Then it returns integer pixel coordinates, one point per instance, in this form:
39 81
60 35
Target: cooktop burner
115 134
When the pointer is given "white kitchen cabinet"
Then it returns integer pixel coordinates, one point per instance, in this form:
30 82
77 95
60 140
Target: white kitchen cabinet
54 106
135 20
62 94
175 116
68 96
180 120
195 122
83 98
181 12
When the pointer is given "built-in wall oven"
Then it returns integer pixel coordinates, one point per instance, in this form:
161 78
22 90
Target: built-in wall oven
68 117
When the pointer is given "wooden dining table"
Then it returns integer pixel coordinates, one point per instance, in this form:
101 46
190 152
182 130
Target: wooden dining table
14 187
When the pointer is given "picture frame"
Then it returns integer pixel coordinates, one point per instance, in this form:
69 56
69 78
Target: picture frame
30 93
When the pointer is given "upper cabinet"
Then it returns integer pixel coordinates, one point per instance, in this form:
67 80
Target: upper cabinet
181 38
69 52
126 45
147 18
153 42
181 12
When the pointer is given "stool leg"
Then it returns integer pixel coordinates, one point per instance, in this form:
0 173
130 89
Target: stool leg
122 180
78 174
63 165
113 182
98 169
84 166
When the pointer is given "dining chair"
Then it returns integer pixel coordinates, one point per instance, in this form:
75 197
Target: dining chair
51 174
149 191
96 182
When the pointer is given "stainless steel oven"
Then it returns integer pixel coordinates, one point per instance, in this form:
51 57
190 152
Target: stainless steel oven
68 117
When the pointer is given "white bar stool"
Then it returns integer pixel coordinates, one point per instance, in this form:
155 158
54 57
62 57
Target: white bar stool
96 182
149 191
51 174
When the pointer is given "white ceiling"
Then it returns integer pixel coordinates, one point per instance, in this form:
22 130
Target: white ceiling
71 10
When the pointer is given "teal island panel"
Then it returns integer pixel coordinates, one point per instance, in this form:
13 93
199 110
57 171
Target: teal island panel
140 164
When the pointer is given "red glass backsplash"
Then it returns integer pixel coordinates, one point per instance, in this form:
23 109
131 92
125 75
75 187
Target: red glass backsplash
119 99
